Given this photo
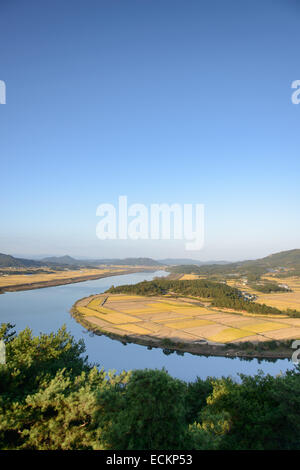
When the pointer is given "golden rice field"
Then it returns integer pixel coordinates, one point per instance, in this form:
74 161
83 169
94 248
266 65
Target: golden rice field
182 320
280 300
18 279
283 300
189 277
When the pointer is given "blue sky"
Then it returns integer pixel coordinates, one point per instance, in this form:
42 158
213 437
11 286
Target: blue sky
166 101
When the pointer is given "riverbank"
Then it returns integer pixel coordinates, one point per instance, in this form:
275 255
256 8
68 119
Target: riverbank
45 310
94 315
71 280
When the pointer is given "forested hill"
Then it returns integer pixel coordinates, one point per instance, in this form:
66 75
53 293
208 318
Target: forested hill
68 260
219 294
285 260
61 260
7 261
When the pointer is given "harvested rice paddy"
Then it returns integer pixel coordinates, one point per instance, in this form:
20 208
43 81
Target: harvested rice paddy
283 300
181 320
189 277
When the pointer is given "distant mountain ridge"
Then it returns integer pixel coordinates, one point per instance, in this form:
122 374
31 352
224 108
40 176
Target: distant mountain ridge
182 261
290 258
283 259
8 261
63 260
68 260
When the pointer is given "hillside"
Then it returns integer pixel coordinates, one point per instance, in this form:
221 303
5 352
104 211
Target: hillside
289 260
285 259
61 260
8 261
68 260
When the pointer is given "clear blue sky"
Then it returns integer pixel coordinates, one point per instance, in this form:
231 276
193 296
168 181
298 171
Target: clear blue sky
183 101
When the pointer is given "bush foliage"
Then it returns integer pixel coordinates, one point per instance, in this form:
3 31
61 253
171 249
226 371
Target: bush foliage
52 398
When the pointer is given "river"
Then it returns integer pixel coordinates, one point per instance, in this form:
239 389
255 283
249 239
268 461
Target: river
45 310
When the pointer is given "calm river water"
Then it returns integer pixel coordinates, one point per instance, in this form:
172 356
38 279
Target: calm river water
45 310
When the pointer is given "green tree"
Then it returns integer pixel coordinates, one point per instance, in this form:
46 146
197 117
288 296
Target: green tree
52 398
261 412
196 396
149 414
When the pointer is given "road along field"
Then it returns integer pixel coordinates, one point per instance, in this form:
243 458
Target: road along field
183 321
